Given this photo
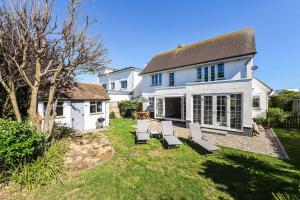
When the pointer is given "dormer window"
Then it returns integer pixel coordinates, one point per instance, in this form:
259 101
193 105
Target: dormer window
156 79
112 85
123 84
221 74
212 73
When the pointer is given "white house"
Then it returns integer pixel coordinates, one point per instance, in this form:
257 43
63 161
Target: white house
209 82
81 107
121 84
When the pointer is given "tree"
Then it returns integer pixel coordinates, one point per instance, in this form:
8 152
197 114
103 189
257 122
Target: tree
46 54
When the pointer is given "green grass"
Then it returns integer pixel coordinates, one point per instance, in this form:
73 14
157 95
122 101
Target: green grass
290 139
149 171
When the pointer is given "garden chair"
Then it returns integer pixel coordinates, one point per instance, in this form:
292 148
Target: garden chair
197 137
142 132
168 134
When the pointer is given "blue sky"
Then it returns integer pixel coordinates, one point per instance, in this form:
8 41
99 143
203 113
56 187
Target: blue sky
134 31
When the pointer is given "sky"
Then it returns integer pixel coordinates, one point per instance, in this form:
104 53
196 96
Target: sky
133 31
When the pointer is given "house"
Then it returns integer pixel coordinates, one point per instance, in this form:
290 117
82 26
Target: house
81 107
210 82
121 84
276 92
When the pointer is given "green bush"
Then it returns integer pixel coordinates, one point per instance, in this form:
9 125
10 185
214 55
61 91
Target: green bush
19 143
128 107
276 116
112 115
284 100
261 120
61 131
43 170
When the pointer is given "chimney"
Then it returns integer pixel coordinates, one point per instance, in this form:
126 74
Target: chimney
180 46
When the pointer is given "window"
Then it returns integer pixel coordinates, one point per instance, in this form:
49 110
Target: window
197 108
208 110
256 102
95 106
159 107
151 101
236 111
171 79
199 73
156 79
112 85
123 84
212 73
221 71
206 74
104 86
59 108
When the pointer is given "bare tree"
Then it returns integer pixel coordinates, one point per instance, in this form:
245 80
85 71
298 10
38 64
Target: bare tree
49 54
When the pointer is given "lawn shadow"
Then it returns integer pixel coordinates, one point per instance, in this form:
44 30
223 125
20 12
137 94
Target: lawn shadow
246 177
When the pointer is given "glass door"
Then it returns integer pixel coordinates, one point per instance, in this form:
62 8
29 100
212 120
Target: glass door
221 115
208 110
159 107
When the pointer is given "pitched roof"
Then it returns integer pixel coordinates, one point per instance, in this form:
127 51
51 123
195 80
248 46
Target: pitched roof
86 91
81 91
235 44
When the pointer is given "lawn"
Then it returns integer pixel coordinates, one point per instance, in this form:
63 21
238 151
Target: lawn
290 139
149 171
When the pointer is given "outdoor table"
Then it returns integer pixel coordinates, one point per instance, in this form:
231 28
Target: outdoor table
142 115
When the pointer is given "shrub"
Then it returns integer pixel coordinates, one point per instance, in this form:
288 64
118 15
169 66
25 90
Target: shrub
61 131
19 143
284 100
276 116
43 170
112 115
261 120
128 107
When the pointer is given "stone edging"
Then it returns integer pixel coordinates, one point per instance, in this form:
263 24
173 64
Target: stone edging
284 153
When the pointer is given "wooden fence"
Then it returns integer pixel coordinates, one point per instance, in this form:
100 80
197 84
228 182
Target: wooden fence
291 121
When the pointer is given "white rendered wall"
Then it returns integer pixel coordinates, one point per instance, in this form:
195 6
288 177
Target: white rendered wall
261 91
119 97
234 70
66 119
90 119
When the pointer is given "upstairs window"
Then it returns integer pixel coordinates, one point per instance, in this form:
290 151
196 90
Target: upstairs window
112 85
256 102
171 79
199 73
95 106
221 74
156 79
206 74
212 73
123 84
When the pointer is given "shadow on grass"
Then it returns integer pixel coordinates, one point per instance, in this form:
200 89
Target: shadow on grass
245 177
196 147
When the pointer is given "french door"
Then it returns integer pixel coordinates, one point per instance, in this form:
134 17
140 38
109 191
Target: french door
224 110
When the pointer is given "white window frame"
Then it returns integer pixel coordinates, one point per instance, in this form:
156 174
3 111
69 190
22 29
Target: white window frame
126 84
259 102
97 104
114 84
157 80
173 79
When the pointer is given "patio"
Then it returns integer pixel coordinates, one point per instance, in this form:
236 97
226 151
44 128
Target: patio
263 143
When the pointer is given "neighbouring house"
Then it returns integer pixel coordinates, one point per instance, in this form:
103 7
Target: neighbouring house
120 84
82 107
296 106
276 92
210 82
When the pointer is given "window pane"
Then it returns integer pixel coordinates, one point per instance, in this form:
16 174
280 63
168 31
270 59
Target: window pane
123 84
236 111
221 70
99 106
151 101
206 73
112 86
59 109
171 79
256 102
92 107
152 80
197 108
222 110
159 107
212 73
199 73
160 79
208 110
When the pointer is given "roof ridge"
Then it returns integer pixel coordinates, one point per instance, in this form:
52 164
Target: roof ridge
207 40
